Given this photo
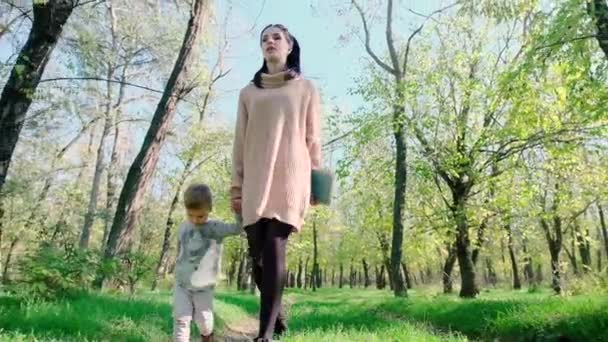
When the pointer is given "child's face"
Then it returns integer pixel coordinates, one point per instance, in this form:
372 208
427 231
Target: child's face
198 216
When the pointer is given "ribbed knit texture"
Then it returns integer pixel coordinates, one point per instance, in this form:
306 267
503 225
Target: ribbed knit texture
276 144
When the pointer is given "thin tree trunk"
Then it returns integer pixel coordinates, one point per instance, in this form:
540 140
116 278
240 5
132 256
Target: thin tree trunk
242 275
448 267
17 95
9 257
572 253
352 279
170 224
112 177
492 278
368 281
140 173
89 217
539 273
604 227
341 279
514 267
315 263
299 276
406 273
555 271
584 247
306 269
599 249
554 240
528 268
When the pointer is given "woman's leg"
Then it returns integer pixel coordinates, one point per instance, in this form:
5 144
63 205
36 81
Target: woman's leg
273 275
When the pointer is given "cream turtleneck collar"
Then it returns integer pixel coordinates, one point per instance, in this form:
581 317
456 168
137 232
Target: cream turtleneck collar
277 80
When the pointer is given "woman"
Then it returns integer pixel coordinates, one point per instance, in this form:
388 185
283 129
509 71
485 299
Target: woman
277 144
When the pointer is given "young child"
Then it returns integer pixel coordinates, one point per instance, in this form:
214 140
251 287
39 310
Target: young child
196 268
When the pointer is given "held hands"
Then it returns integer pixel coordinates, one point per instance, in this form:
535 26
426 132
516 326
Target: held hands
236 206
313 200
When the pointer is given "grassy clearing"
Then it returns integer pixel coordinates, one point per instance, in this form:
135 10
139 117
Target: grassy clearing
327 315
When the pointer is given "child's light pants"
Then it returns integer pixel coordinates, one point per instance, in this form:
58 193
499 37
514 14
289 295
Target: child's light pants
188 306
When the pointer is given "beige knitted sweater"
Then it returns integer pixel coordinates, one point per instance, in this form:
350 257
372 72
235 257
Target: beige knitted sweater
276 144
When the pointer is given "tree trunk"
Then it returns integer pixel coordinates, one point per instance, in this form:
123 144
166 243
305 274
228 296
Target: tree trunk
468 281
448 267
9 257
599 249
352 276
555 271
315 263
1 228
368 281
299 276
170 224
554 239
382 278
598 9
480 238
319 277
232 271
514 268
20 88
572 253
539 273
492 278
292 280
604 227
528 268
406 273
131 198
89 217
584 247
399 286
241 274
341 279
111 185
306 269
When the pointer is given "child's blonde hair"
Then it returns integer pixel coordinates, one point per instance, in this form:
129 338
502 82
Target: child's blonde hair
198 196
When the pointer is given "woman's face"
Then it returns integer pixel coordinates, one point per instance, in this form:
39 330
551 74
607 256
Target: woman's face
275 46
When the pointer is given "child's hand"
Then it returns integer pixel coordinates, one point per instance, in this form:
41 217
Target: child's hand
236 206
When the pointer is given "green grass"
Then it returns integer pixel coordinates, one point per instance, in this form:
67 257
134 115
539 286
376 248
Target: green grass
87 318
327 315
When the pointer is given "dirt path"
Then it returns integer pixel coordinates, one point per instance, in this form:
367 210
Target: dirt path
247 328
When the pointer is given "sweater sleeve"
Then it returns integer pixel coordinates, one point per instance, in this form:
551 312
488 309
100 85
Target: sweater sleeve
313 129
237 150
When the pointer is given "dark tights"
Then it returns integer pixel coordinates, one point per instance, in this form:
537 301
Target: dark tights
267 247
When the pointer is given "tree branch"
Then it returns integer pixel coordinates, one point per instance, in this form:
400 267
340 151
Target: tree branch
368 39
419 29
100 79
390 41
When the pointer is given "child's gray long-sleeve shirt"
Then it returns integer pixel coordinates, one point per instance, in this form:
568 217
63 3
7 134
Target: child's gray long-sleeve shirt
199 251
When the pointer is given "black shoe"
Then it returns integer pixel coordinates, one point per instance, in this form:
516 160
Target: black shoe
280 328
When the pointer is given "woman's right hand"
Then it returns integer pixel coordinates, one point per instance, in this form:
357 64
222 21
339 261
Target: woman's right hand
236 206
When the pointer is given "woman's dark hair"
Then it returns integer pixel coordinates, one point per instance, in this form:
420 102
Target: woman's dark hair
293 59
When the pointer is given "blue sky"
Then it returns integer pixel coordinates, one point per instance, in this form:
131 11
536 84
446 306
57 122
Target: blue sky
326 59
